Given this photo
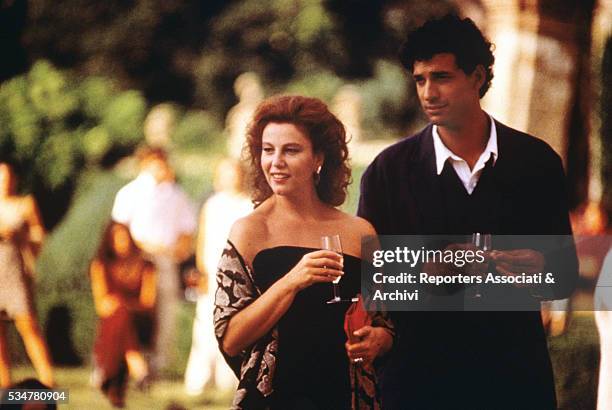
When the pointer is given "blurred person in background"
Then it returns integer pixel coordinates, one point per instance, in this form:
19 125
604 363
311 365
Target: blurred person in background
21 236
589 223
123 284
162 222
249 91
220 211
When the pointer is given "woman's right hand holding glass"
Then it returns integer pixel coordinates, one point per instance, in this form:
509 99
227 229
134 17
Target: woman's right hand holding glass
315 267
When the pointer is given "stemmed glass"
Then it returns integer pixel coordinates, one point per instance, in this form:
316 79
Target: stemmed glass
332 243
481 241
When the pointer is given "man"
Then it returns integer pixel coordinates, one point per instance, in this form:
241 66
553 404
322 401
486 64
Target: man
162 222
464 173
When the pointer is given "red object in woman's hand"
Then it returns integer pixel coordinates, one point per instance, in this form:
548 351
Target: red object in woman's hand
355 318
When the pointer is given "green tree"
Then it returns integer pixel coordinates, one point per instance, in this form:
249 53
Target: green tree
191 52
54 124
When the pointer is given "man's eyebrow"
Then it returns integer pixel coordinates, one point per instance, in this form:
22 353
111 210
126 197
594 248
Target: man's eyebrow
433 73
442 72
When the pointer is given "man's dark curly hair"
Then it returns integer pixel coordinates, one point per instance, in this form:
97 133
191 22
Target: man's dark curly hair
326 133
450 34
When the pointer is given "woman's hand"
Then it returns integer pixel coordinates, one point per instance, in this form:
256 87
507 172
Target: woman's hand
370 343
315 267
108 305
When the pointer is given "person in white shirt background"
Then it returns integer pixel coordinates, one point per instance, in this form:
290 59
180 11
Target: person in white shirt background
162 222
206 366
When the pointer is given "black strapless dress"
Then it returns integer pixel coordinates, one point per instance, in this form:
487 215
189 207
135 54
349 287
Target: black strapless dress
312 366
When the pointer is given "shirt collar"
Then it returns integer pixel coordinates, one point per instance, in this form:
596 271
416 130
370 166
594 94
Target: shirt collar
146 179
443 153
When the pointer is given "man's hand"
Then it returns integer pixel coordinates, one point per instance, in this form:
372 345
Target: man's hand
517 261
370 343
183 248
450 268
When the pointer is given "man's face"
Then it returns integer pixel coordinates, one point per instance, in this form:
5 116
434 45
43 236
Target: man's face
158 168
447 94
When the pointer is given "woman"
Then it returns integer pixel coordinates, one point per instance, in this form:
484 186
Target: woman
123 285
21 235
283 341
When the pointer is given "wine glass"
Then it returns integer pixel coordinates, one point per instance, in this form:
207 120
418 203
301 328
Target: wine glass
481 241
332 243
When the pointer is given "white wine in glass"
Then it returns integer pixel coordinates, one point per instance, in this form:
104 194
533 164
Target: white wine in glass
332 243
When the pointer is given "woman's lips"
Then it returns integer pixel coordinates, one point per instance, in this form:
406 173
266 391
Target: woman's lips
279 177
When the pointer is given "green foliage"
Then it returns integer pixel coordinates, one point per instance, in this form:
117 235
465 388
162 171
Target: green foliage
67 252
123 117
352 198
54 124
385 99
280 40
198 129
191 52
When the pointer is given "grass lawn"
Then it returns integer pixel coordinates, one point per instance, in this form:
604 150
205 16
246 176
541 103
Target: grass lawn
164 394
575 357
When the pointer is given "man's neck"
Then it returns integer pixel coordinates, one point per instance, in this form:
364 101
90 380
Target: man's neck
469 140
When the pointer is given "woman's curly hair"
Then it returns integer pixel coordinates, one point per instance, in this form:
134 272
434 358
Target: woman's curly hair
326 133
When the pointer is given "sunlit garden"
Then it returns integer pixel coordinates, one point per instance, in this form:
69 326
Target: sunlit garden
83 85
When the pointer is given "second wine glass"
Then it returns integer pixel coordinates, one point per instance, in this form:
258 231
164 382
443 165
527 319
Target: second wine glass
481 241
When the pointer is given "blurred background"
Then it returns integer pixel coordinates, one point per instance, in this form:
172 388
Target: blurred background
83 83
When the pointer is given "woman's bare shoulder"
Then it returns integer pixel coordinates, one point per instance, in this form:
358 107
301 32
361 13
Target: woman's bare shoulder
249 233
356 225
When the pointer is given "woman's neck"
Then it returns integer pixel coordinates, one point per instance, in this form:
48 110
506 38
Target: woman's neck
305 207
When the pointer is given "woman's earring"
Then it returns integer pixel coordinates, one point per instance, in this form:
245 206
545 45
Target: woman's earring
317 175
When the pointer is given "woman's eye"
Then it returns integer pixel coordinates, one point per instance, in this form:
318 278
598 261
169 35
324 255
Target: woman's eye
268 150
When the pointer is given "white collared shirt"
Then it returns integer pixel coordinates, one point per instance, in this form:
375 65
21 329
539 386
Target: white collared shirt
156 214
468 177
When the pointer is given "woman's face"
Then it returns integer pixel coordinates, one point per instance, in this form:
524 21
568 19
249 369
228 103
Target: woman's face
287 158
121 241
